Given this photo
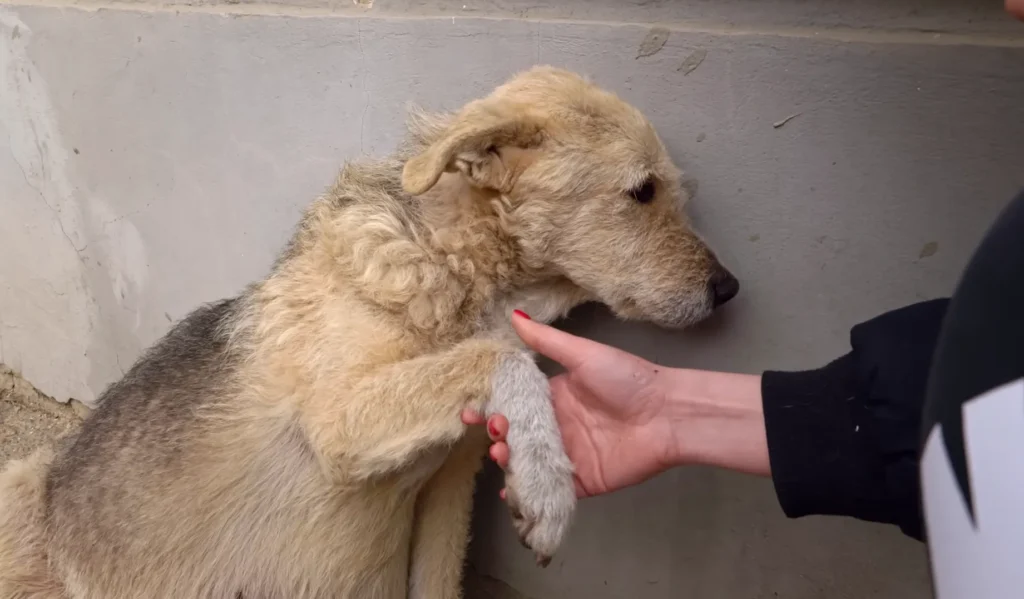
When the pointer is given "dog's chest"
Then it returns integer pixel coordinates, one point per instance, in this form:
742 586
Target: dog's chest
424 467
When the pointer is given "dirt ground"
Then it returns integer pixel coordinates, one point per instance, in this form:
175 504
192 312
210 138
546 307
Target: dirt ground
29 419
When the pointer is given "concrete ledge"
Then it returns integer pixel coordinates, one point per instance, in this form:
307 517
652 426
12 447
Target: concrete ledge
968 22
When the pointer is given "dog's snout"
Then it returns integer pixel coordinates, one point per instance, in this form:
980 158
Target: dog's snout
724 286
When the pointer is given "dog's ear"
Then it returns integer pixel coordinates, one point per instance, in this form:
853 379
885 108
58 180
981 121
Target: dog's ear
471 143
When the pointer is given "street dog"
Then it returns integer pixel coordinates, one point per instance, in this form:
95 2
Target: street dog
303 439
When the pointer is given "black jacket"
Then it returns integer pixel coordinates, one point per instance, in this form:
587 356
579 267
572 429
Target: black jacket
844 439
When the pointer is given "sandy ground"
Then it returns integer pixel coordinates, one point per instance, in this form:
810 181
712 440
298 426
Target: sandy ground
29 419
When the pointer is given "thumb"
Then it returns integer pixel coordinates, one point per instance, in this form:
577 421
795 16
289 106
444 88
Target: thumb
564 348
1016 8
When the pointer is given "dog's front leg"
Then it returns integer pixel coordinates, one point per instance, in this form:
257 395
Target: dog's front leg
441 528
538 482
395 415
401 411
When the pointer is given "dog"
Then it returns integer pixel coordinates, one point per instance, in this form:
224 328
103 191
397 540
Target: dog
303 439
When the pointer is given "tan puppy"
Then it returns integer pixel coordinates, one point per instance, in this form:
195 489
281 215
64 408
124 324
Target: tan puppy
303 440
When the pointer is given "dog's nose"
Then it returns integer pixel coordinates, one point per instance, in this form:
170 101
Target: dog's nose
724 287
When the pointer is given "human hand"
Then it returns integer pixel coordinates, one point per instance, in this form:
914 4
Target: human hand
609 406
1015 8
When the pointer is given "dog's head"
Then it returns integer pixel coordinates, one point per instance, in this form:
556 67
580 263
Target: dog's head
594 196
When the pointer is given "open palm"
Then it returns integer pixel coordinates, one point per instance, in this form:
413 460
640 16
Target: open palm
608 404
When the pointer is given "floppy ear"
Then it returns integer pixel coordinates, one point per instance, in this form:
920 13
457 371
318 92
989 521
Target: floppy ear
470 145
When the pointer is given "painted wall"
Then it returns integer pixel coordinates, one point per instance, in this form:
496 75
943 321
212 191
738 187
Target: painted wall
158 156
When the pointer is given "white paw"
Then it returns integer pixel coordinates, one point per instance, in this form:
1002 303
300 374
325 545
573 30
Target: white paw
542 500
538 484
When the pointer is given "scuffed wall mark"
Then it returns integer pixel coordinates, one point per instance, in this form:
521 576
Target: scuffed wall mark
653 42
47 309
928 250
691 62
366 90
57 212
781 123
118 219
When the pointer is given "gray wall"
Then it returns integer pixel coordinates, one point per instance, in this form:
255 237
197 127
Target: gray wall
159 155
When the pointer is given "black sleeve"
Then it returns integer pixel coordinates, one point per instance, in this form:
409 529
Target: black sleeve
843 439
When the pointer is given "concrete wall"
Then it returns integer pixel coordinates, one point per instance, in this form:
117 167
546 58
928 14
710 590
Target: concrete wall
159 154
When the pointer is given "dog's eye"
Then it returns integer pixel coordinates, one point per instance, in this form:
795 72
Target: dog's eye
644 193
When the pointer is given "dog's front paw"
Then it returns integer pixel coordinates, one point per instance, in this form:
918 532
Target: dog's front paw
538 482
542 498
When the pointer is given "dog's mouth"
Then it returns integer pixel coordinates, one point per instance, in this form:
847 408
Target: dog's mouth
677 314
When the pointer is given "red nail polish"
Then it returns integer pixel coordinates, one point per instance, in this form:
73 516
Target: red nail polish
521 313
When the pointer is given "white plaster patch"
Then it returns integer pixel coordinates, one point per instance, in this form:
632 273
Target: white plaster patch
46 310
125 253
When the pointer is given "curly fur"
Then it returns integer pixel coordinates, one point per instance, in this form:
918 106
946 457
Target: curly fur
303 439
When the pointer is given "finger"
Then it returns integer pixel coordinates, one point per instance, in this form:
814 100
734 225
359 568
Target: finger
471 417
1016 8
502 494
499 453
564 348
497 427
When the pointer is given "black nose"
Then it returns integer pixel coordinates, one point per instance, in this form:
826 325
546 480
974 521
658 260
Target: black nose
724 287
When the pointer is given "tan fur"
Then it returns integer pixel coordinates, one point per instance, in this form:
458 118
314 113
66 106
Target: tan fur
22 530
304 439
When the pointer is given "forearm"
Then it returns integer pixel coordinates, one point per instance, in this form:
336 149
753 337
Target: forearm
838 440
808 430
716 419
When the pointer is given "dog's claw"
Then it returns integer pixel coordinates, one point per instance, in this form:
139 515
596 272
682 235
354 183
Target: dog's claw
540 520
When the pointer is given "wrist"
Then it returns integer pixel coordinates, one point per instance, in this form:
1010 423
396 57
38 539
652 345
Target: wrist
715 419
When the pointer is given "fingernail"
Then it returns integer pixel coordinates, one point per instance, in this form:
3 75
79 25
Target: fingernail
493 430
501 493
521 313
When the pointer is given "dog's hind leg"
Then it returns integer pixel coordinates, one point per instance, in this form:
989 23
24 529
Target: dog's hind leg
441 527
24 568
